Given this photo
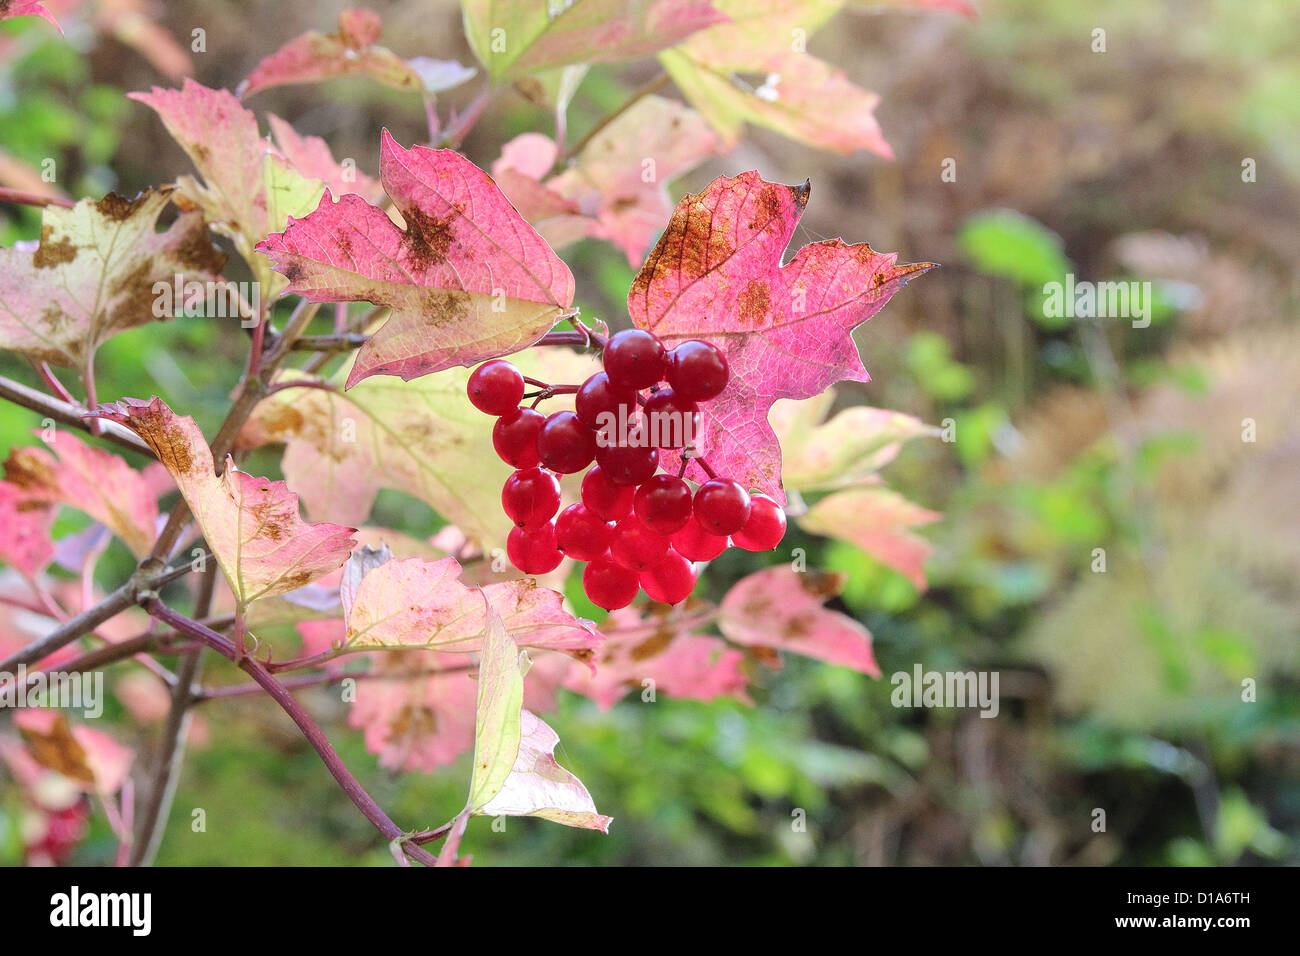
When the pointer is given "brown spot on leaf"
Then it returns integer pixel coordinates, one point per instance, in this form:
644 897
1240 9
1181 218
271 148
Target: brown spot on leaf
50 254
30 470
653 645
755 303
196 252
427 238
822 584
54 747
116 208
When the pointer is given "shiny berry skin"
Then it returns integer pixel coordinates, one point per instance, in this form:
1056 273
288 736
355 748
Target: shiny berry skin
635 359
564 444
604 498
531 497
514 436
696 544
582 534
597 396
533 550
626 464
609 585
635 546
495 387
663 503
765 527
721 506
669 580
672 421
697 370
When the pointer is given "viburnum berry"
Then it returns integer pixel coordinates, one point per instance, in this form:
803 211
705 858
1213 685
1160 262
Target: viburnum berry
627 464
671 420
635 359
669 580
604 498
533 550
663 503
514 436
635 546
531 496
564 444
495 387
697 371
598 396
764 528
608 584
581 533
695 544
721 506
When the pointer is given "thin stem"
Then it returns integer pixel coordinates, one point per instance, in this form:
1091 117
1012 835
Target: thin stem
69 413
47 376
301 383
299 319
324 680
21 198
310 729
652 86
460 126
340 342
92 401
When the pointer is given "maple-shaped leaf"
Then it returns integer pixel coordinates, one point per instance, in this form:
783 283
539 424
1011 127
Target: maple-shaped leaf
98 482
92 275
423 604
782 608
716 274
250 524
27 8
514 38
421 437
466 279
662 649
350 51
880 522
797 94
311 157
25 542
616 188
515 773
248 191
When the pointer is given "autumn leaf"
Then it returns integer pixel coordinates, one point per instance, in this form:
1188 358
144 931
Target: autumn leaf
250 524
514 38
248 190
25 543
27 8
96 481
351 51
467 279
515 773
311 157
793 93
414 604
90 758
781 608
880 522
91 275
716 274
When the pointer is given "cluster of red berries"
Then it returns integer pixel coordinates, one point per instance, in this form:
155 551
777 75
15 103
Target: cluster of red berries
639 529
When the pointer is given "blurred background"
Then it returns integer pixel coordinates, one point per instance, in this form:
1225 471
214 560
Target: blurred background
1170 158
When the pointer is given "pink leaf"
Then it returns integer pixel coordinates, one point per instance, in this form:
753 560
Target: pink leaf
716 274
310 156
250 524
98 482
467 279
25 542
92 274
27 8
90 758
782 608
878 521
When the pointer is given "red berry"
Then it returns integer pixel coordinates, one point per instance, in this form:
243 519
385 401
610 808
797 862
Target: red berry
495 387
581 533
765 527
635 546
663 503
608 585
671 420
721 506
530 496
514 436
697 370
627 464
635 359
669 580
696 544
597 396
533 550
604 498
564 444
